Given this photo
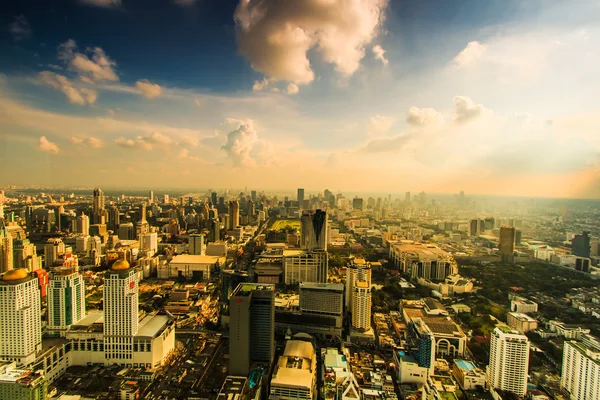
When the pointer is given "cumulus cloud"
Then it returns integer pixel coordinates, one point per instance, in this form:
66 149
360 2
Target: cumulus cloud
188 142
379 53
102 3
80 96
293 88
20 28
184 154
90 70
148 89
379 124
244 148
275 36
88 141
145 142
260 85
423 116
384 144
471 53
47 146
466 110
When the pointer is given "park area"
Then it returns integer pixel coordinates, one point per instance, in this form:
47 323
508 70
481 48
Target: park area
285 224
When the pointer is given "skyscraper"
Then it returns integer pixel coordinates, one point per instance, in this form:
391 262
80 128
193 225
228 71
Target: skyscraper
114 218
251 211
6 248
196 245
66 299
98 212
357 271
407 197
234 214
300 197
151 197
361 305
213 199
357 203
580 376
120 312
53 248
580 245
508 238
20 319
253 195
509 361
313 230
251 328
82 224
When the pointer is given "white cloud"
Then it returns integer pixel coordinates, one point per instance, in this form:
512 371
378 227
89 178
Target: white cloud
379 53
88 141
384 144
47 146
276 35
81 96
466 110
189 142
90 70
293 88
379 124
244 148
148 89
260 85
20 28
102 3
184 154
76 140
123 142
158 138
423 116
145 142
471 53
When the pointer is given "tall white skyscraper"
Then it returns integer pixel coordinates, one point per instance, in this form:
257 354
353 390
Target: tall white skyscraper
6 248
20 319
361 306
509 361
581 371
66 299
313 230
358 270
121 317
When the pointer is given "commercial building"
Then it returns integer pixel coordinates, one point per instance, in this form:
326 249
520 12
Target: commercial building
6 248
234 215
523 305
508 238
361 306
580 377
127 231
509 361
20 317
66 300
313 230
468 375
521 322
422 260
300 197
357 270
251 327
149 243
295 375
196 245
580 245
21 384
190 267
322 298
305 266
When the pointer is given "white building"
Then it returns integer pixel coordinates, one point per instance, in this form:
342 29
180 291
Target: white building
523 305
66 300
295 375
468 375
20 319
149 243
422 260
509 361
20 384
6 248
361 306
82 225
357 270
322 298
521 322
190 267
581 371
301 266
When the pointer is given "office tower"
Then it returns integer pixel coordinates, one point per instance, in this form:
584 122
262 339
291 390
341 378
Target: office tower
214 234
234 214
253 196
361 306
126 231
251 327
142 226
22 383
53 248
98 212
300 197
518 236
151 197
6 248
357 203
24 253
322 298
196 245
82 224
357 271
251 211
165 199
407 197
313 230
66 299
114 218
1 204
580 245
120 312
149 242
475 227
20 317
231 279
508 238
213 199
309 266
509 361
580 376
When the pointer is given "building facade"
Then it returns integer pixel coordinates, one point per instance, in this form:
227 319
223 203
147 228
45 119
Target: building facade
361 306
580 377
313 230
66 300
422 260
310 266
508 238
509 361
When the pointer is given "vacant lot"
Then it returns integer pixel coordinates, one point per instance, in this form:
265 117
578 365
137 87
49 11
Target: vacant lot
282 224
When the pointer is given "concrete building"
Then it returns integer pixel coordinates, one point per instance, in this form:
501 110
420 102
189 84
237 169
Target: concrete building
251 327
313 230
82 225
66 300
98 211
322 298
523 305
361 306
127 231
305 266
234 215
6 248
20 317
521 322
190 267
53 248
508 239
569 331
468 375
422 260
196 245
300 197
358 270
509 361
580 377
21 384
295 375
581 245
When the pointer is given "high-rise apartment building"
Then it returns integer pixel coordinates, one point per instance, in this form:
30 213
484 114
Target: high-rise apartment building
234 214
322 298
313 230
580 245
66 299
361 306
53 248
251 327
196 245
309 266
509 361
6 248
300 197
580 377
508 238
149 242
357 271
120 312
98 212
82 224
20 317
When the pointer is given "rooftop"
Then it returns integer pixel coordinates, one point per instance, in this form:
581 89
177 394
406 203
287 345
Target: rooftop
244 289
420 249
195 259
522 317
464 364
151 325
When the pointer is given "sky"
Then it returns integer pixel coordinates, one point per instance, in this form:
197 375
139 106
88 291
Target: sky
494 97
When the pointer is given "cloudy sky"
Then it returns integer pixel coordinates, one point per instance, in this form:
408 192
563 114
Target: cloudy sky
498 97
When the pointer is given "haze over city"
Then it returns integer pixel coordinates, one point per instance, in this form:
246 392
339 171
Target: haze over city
495 97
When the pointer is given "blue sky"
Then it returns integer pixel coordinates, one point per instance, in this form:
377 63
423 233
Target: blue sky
494 97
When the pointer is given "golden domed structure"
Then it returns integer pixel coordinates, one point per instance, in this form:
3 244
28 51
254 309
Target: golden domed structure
15 275
120 265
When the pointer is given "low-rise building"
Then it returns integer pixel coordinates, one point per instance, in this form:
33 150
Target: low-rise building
468 375
521 322
523 305
21 384
190 267
294 376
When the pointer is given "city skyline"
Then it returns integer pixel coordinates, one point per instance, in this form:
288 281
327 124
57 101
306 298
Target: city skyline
430 96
